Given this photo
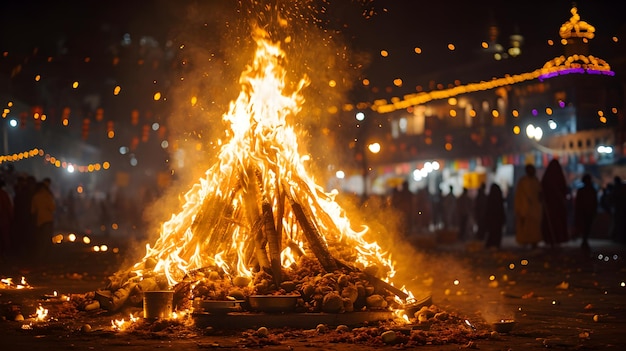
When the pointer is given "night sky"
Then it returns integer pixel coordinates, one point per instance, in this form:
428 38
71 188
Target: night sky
366 26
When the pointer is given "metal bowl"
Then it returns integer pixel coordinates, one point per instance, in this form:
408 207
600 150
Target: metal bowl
273 303
504 326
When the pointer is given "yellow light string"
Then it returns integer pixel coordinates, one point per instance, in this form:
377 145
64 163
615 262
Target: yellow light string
55 161
383 106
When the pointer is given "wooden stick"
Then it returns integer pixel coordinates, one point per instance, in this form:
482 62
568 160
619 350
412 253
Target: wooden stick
313 237
251 203
274 241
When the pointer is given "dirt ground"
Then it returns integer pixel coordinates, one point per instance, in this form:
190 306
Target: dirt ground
563 299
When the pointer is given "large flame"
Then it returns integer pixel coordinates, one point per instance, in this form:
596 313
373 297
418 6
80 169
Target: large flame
259 172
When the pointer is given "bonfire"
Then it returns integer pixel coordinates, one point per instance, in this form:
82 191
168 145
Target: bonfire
257 223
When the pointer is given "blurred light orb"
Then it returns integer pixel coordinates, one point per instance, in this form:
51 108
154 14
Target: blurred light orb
374 148
417 176
552 124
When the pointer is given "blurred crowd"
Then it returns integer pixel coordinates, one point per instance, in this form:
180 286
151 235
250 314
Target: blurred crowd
544 210
32 210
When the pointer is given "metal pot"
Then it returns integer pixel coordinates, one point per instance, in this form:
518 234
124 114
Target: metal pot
158 304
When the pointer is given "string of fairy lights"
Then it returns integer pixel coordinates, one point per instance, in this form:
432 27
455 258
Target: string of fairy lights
54 161
39 117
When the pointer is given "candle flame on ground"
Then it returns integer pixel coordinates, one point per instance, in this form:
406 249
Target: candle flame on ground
41 314
7 283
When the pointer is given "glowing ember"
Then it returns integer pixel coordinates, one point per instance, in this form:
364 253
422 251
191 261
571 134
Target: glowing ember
257 209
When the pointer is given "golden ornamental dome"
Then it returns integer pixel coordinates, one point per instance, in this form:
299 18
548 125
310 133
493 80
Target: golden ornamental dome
575 28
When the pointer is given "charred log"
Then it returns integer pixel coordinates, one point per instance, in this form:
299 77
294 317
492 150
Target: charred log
314 239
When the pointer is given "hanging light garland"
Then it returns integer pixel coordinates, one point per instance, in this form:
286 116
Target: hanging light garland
52 160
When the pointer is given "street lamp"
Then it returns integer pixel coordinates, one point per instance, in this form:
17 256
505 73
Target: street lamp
5 134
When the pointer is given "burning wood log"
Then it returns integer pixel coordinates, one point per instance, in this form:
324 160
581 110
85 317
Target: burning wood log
280 206
251 201
114 301
208 224
274 242
317 245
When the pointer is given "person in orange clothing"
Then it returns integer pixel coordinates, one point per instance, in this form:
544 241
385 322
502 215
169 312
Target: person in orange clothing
528 209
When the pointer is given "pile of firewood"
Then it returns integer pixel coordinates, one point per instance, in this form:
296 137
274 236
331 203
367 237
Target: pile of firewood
255 201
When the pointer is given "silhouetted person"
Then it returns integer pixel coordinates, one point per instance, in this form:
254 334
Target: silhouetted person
618 202
528 208
555 190
105 216
6 218
23 236
43 208
463 211
606 201
585 209
448 204
437 206
70 218
495 216
402 201
480 205
423 210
